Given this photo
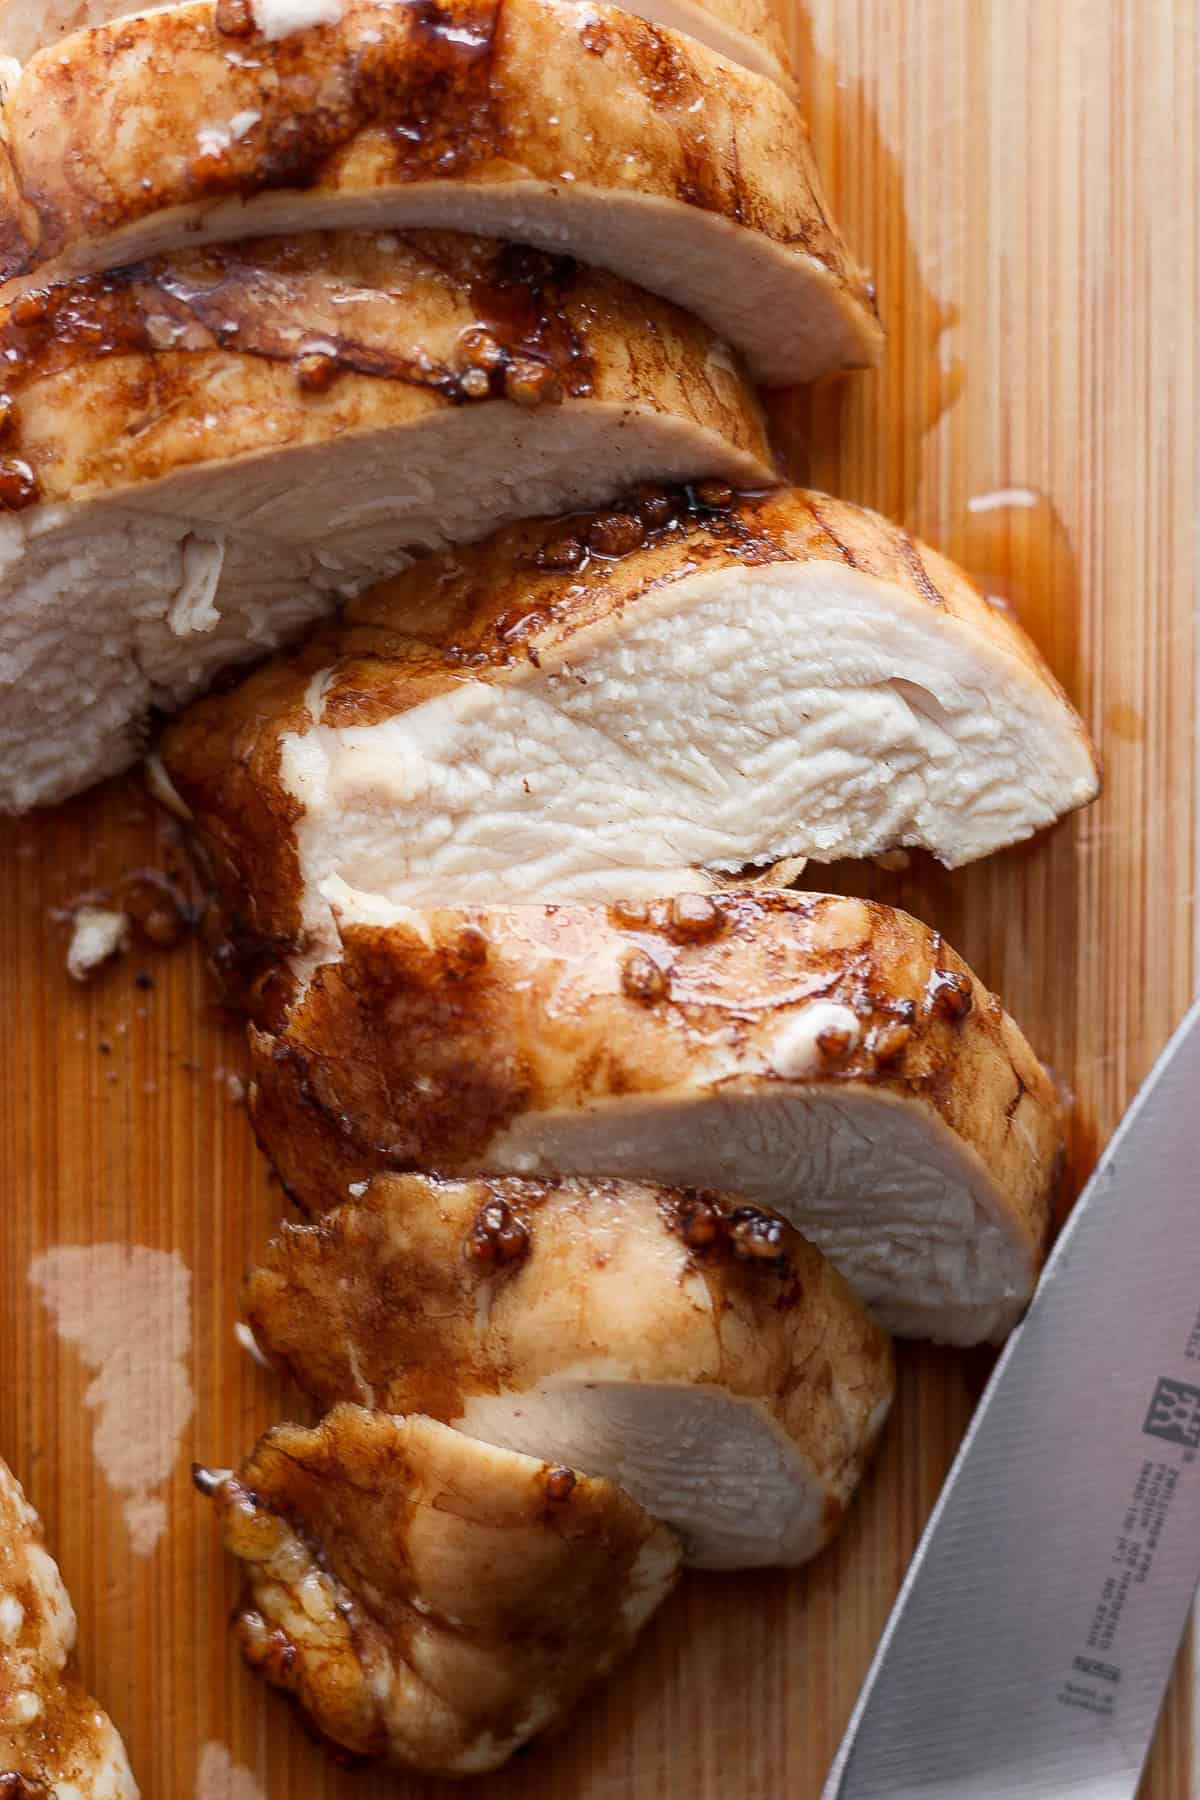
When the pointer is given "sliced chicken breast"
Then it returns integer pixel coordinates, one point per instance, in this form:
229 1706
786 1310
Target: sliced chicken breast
744 31
54 1740
429 1599
575 127
828 1058
697 1352
202 453
596 708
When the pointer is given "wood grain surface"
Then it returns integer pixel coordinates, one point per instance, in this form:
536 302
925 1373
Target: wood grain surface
1022 179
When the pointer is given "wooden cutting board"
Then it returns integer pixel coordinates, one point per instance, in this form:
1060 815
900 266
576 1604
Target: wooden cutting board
1022 178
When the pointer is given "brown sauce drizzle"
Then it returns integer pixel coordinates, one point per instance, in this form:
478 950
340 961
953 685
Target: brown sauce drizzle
707 1225
446 123
652 515
435 106
524 346
520 307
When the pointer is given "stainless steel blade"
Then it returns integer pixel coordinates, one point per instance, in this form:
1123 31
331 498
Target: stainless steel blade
1028 1652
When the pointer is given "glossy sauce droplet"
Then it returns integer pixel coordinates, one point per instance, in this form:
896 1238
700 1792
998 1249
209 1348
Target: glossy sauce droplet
18 484
523 334
497 1236
560 1483
642 979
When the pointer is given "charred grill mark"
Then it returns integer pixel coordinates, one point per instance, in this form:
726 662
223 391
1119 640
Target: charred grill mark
821 520
921 577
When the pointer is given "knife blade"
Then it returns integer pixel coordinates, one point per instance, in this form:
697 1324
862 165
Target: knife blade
1029 1649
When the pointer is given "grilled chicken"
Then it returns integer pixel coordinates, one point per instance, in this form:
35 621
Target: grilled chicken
430 1599
596 708
574 127
207 450
828 1058
697 1352
743 31
55 1743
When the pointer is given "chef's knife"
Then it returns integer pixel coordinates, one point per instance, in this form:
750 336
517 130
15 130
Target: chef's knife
1028 1652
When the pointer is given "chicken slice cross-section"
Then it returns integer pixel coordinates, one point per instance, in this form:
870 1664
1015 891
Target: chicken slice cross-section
202 453
830 1059
744 31
576 127
429 1599
55 1742
698 1352
594 709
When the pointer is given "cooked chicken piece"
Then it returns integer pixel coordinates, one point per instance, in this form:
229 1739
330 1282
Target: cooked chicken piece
576 127
744 31
55 1743
594 709
430 1599
698 1352
829 1058
209 449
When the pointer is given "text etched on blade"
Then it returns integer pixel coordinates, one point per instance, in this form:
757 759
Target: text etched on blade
1173 1417
1174 1414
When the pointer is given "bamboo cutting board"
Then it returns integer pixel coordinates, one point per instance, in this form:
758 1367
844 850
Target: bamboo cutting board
1022 178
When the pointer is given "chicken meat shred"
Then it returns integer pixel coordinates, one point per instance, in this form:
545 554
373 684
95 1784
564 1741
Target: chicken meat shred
429 1599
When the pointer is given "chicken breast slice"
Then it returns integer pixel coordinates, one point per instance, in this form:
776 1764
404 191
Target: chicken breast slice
574 127
205 452
430 1599
828 1058
744 31
597 708
55 1742
695 1351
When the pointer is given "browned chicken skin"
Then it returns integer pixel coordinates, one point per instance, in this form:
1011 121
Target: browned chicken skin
429 1599
625 706
696 1351
55 1742
581 129
744 31
204 451
829 1058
